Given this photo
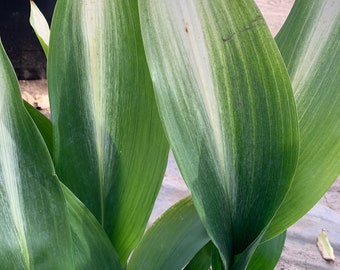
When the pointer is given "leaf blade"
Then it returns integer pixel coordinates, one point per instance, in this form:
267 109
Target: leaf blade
33 206
172 241
92 247
43 124
309 43
230 131
202 260
103 110
268 253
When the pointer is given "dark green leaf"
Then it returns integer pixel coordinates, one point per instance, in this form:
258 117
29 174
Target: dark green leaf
217 263
267 254
242 260
202 260
226 101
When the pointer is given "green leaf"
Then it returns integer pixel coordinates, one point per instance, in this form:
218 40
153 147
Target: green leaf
43 124
242 260
227 105
217 263
34 231
202 260
40 26
109 145
265 256
310 44
172 241
267 253
92 247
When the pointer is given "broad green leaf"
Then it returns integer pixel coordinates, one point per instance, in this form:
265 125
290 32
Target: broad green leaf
172 241
34 231
310 44
227 105
40 26
92 247
43 124
267 253
109 145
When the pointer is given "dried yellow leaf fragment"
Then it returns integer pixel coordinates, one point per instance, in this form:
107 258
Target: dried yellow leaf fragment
325 247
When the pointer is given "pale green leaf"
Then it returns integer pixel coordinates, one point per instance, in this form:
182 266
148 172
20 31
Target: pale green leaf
227 105
34 231
109 145
310 45
40 26
172 241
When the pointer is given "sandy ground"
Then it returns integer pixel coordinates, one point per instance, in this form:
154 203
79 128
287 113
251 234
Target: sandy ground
300 250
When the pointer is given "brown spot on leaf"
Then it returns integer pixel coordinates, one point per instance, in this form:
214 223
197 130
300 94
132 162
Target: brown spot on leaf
226 39
186 27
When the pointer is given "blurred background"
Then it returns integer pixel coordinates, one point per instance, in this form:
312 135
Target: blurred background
19 40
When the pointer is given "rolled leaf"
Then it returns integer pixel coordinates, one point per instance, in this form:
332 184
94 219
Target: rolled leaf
310 45
109 145
172 241
227 105
34 231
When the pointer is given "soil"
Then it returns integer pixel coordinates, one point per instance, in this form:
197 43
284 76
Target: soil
35 93
300 251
